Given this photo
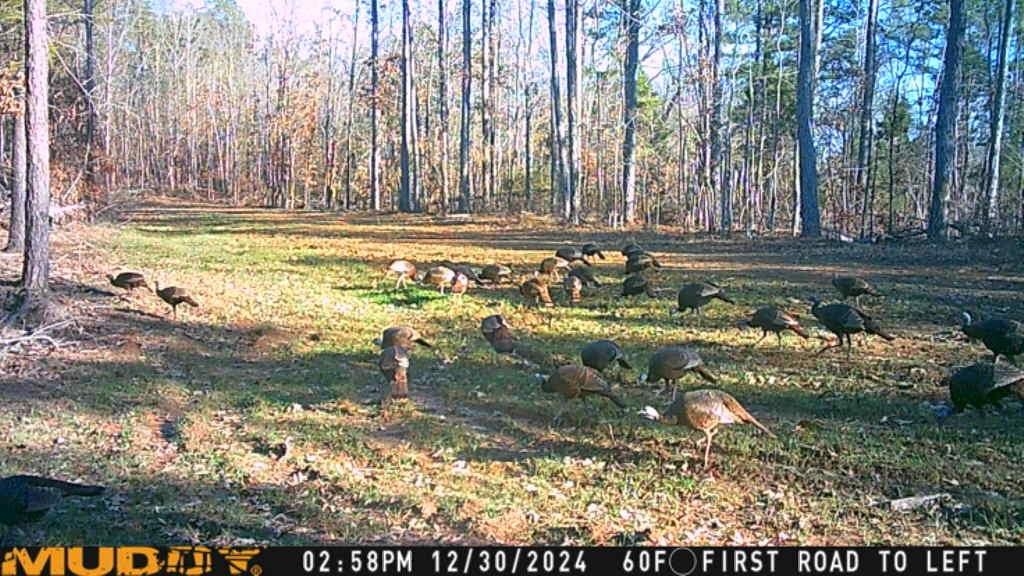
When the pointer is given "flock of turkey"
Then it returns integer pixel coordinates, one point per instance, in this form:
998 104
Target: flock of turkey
27 498
703 410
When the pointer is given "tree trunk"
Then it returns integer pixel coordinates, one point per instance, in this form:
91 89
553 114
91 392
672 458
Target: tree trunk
809 215
528 117
442 102
945 122
374 105
719 174
349 155
573 28
991 208
560 169
465 181
89 87
486 184
16 233
407 194
36 268
631 13
866 131
491 103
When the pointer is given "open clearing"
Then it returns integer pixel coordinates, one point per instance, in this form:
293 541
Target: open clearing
181 419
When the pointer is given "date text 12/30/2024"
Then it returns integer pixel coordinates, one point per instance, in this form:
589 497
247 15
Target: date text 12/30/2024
649 561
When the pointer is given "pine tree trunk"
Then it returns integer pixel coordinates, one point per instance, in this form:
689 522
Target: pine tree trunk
559 183
36 268
486 183
466 118
406 199
375 196
572 84
493 151
991 208
89 87
945 122
809 215
349 155
631 13
442 102
866 132
528 119
717 172
16 232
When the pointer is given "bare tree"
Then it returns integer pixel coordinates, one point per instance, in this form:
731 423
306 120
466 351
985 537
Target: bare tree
946 121
809 215
995 148
465 181
631 14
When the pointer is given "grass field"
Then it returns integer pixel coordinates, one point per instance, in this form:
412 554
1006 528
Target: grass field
180 418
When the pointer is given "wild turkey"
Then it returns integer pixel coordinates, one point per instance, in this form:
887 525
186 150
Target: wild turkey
496 273
403 270
983 384
128 280
705 410
464 269
591 249
853 287
460 285
551 265
631 248
637 284
844 320
695 295
28 498
175 296
439 276
585 274
640 261
572 381
672 362
771 319
498 334
394 365
404 336
572 254
574 288
600 354
1002 336
536 290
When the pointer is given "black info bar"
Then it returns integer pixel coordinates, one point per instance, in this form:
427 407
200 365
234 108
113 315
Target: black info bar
512 561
